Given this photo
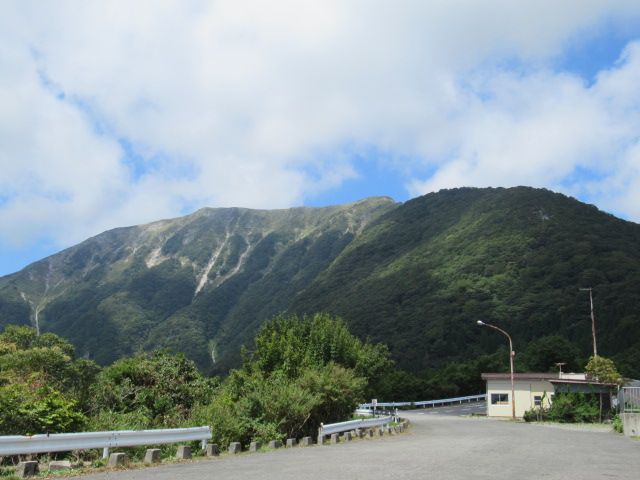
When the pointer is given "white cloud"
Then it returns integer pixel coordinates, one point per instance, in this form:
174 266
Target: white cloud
539 129
252 103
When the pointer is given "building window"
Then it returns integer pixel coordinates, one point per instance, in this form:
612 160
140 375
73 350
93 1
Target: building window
537 400
499 398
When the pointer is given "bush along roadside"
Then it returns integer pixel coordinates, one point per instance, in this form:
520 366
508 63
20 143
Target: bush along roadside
569 408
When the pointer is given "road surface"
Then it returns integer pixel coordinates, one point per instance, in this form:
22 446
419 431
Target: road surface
456 410
436 446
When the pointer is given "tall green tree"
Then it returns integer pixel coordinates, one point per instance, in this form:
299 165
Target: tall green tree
301 372
603 369
43 387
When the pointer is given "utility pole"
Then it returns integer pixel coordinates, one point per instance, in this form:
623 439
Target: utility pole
593 319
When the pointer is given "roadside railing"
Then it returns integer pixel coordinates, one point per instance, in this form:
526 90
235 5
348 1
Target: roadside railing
64 442
347 426
427 403
630 400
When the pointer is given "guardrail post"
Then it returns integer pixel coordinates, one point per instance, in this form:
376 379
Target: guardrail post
183 452
212 450
320 435
27 469
116 460
152 455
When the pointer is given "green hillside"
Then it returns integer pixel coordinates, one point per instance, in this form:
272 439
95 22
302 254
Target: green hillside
421 275
415 276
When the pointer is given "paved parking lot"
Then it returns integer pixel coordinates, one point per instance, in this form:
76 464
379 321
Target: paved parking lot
436 446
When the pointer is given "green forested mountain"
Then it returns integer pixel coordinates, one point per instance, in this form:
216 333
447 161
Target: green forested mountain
415 276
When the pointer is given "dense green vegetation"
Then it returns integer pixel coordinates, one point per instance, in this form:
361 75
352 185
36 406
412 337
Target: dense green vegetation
43 387
413 276
568 408
421 275
301 371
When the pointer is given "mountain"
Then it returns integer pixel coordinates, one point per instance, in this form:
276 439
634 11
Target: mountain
414 275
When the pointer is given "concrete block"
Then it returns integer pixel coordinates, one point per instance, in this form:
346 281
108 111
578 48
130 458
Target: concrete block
320 439
291 442
212 450
371 432
335 438
59 465
401 427
254 447
235 448
275 444
117 460
183 452
347 436
306 441
380 432
631 424
389 431
152 455
27 469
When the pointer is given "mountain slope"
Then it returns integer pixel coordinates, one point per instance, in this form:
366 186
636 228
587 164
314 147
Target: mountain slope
189 283
415 276
421 275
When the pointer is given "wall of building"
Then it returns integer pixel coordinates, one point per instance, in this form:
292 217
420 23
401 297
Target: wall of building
525 390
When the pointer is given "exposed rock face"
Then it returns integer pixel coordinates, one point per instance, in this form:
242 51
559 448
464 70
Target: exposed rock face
199 284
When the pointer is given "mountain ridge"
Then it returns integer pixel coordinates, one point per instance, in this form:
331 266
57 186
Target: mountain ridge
414 275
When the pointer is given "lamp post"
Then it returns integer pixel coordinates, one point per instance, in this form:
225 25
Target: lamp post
511 355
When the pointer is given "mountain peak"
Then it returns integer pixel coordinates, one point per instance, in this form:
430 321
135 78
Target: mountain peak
413 275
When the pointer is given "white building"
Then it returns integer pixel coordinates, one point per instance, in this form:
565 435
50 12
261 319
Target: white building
534 390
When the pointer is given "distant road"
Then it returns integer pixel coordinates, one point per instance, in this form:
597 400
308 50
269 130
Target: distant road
437 446
456 410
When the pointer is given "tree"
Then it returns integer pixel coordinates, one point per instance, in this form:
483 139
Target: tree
303 371
603 370
160 387
543 354
43 388
289 343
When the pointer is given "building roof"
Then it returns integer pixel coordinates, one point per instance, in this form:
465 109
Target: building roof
520 376
569 381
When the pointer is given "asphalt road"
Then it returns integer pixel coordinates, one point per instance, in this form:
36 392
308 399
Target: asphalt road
436 446
456 410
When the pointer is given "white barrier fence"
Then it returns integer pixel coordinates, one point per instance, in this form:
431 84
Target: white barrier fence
353 424
64 442
426 403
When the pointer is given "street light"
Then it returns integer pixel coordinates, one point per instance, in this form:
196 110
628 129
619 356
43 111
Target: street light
511 355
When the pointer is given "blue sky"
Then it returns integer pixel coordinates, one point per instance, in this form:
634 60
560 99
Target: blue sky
117 114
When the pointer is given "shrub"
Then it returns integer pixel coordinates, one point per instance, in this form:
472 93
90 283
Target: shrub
617 424
567 408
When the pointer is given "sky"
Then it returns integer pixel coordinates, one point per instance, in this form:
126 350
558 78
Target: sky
120 113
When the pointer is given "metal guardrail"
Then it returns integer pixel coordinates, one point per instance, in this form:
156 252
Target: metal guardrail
630 400
353 424
63 442
427 403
